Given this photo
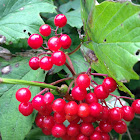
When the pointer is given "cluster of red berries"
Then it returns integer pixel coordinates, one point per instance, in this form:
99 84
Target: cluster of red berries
85 111
57 57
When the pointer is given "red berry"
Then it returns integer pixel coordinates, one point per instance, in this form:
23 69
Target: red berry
65 41
54 43
38 103
128 113
136 106
83 81
116 114
95 109
35 41
105 113
71 108
90 98
58 105
72 118
120 127
89 119
58 58
87 129
96 136
46 131
60 20
45 30
46 63
34 63
23 95
48 98
105 136
73 130
83 110
59 117
25 108
39 120
58 130
46 110
78 93
109 84
48 122
100 92
82 137
105 126
98 129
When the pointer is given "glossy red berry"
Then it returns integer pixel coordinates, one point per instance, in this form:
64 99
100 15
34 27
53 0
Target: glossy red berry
105 126
58 130
65 41
25 108
48 98
116 114
87 129
83 81
128 113
58 58
46 131
73 130
83 110
120 127
46 63
58 105
136 106
82 137
34 63
45 30
35 41
60 20
91 98
71 108
23 95
38 103
78 93
48 122
109 84
96 136
59 117
54 43
100 92
39 120
95 109
105 136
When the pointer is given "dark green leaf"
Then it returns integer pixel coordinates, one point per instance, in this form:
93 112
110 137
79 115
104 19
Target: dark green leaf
18 17
14 126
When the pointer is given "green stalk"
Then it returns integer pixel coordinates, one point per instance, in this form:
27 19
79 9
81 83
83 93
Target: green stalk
120 137
24 82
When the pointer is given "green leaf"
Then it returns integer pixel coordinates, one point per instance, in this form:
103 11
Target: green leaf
18 17
15 126
114 31
72 11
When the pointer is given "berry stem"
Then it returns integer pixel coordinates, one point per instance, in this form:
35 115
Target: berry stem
99 74
121 97
61 80
44 53
120 137
70 63
45 48
75 50
42 91
94 82
30 83
71 70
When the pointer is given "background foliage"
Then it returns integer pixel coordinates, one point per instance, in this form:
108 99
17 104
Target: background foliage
112 46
